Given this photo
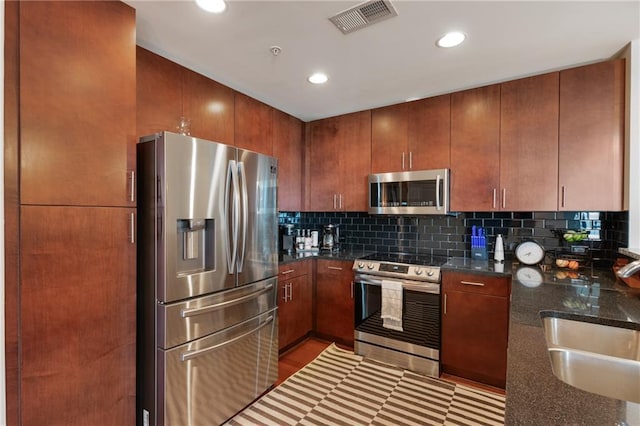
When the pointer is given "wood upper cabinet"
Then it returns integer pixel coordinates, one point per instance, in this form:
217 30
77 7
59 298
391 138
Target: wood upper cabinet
159 93
475 149
78 316
335 314
389 139
411 136
288 148
253 124
475 326
209 106
429 133
340 162
591 137
529 144
77 103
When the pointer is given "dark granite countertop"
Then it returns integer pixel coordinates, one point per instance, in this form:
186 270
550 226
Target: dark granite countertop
349 256
534 394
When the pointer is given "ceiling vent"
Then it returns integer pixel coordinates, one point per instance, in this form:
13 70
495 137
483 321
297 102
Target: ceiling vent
363 15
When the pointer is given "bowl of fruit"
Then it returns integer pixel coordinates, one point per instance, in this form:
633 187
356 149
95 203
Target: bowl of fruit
568 264
575 236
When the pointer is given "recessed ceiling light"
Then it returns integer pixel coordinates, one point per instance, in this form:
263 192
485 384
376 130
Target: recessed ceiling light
213 6
451 39
318 78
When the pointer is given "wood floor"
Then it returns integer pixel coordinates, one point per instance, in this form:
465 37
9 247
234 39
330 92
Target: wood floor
302 354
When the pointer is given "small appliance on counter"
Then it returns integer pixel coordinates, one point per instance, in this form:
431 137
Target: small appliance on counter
287 238
330 237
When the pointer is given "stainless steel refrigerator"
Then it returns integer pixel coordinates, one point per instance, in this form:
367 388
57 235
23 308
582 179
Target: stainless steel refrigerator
207 279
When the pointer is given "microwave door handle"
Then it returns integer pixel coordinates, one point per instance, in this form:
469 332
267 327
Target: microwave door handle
438 206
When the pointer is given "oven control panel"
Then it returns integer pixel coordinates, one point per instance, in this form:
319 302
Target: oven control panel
413 272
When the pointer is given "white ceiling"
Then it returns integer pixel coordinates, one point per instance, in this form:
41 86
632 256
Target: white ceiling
386 63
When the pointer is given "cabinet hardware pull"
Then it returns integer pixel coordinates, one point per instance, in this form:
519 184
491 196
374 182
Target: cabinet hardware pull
340 205
133 186
290 292
284 296
504 198
410 160
472 283
334 201
562 201
352 289
287 272
494 198
132 220
445 304
402 160
337 268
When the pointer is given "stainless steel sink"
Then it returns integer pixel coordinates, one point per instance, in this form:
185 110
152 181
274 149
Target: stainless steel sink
597 358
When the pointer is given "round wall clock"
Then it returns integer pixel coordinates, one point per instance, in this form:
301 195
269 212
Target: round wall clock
529 253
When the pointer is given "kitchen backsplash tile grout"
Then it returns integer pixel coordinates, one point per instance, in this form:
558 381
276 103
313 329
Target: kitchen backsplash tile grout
451 235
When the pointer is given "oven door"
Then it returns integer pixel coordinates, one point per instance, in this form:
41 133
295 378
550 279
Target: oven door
420 319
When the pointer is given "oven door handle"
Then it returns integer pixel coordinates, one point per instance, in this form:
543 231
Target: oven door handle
420 287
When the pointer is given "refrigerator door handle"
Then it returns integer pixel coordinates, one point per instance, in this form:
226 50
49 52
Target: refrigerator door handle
245 214
230 240
205 309
189 355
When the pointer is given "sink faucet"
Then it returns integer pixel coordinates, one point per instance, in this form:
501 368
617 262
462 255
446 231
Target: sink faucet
629 269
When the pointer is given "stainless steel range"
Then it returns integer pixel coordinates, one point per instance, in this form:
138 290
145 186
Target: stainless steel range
397 310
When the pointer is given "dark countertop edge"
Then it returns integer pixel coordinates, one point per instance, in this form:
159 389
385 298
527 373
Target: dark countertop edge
630 325
347 256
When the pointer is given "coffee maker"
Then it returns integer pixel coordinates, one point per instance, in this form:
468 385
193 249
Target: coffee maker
330 237
287 238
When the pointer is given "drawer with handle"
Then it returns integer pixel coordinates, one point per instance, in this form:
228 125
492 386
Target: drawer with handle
294 269
476 283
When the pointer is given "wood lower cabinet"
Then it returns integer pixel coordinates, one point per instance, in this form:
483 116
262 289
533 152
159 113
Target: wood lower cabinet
592 137
78 316
288 148
475 326
335 316
295 306
475 149
340 162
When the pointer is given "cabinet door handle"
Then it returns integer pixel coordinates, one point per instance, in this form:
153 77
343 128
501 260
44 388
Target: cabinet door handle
132 228
562 198
472 283
410 160
132 187
334 201
352 289
504 198
335 268
402 160
284 290
340 199
444 305
290 292
494 198
287 272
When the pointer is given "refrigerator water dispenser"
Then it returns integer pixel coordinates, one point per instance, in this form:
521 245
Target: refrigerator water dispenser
195 246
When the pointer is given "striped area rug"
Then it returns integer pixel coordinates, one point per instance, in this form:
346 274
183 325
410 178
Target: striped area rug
341 388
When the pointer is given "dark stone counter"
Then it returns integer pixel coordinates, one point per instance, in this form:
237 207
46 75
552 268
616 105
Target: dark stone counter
348 256
534 396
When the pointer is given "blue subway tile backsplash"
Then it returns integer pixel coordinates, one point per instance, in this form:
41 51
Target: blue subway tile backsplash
451 235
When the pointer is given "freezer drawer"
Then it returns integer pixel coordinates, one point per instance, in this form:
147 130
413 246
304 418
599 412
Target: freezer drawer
182 322
211 379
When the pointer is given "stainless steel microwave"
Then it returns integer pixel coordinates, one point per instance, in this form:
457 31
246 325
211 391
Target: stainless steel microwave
411 193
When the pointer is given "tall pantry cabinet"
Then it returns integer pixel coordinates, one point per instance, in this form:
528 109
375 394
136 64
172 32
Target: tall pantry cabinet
70 164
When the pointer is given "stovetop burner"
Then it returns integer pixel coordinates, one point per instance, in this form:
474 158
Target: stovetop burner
407 258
